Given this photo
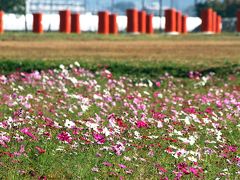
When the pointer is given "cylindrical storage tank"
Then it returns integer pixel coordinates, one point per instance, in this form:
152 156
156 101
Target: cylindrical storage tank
170 26
142 21
75 23
113 26
238 21
37 23
65 21
103 22
132 21
149 28
207 20
184 25
219 24
214 21
1 22
179 21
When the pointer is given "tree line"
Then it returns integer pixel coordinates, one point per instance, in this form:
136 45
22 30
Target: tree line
13 6
226 8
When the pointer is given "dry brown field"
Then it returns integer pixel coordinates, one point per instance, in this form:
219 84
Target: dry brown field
189 50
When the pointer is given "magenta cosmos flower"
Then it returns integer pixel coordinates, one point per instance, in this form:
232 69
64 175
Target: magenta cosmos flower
65 136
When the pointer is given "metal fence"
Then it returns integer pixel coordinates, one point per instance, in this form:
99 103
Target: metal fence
54 6
92 6
229 24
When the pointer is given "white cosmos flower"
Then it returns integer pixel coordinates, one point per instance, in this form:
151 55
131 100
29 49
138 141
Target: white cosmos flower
147 93
173 147
137 135
153 137
180 153
142 85
93 126
159 124
69 124
126 158
106 131
193 159
190 141
205 120
62 66
184 140
76 64
219 135
187 120
95 96
60 148
195 118
73 80
84 108
179 133
150 83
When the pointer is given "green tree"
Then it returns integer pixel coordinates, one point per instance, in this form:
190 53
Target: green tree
226 8
231 7
13 6
217 5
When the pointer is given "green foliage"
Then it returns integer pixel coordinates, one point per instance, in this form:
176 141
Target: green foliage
13 6
232 9
118 68
225 9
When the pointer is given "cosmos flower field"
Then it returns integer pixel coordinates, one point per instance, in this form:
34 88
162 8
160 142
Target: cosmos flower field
70 123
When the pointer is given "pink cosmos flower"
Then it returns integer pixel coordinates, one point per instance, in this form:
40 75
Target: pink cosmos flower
178 175
151 153
40 150
232 148
129 171
194 75
183 167
107 164
27 132
209 110
190 110
4 140
158 115
158 84
48 134
122 166
21 151
42 178
142 124
160 168
35 75
107 74
65 136
27 105
219 103
3 79
120 123
194 171
118 148
99 138
3 144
